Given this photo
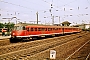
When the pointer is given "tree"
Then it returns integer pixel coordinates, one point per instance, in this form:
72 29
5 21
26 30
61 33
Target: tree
10 26
89 28
1 25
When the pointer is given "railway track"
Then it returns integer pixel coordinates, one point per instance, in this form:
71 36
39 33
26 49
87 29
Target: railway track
64 50
4 42
83 53
29 49
19 46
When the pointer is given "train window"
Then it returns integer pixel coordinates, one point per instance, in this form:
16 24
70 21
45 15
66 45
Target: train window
53 28
32 29
35 29
48 29
27 29
45 29
56 28
39 29
23 27
59 29
18 28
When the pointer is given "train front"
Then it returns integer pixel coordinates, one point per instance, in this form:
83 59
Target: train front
18 32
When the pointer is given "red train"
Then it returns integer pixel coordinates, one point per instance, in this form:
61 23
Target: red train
26 31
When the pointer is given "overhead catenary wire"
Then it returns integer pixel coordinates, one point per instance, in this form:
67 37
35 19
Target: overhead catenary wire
56 7
30 8
17 5
42 10
67 4
7 10
35 3
23 6
60 7
11 13
88 1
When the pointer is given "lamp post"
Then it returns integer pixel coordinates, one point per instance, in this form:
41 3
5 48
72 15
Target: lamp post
9 19
16 19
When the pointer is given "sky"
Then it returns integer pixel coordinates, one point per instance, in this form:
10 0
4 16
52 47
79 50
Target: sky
74 11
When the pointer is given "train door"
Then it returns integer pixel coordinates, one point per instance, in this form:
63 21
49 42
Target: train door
63 31
43 30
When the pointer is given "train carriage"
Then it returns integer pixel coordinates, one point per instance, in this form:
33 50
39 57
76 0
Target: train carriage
22 31
4 32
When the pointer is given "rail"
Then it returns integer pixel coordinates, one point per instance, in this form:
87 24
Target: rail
77 50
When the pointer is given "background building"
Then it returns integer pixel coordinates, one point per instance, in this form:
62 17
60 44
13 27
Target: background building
83 26
65 23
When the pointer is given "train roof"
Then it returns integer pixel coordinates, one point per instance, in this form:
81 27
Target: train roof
41 25
69 27
26 24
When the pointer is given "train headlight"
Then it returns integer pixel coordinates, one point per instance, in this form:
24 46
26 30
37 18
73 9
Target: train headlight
13 33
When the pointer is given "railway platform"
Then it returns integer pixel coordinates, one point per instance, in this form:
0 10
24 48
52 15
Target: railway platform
4 37
4 40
